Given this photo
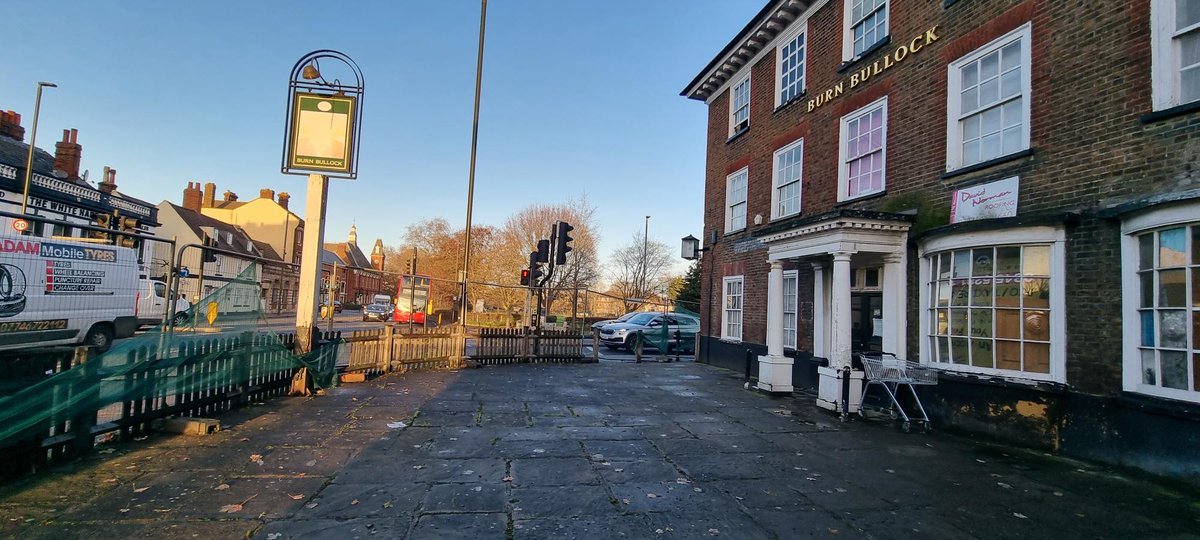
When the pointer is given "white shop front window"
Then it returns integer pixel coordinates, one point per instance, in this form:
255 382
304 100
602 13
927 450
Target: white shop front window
993 303
1160 255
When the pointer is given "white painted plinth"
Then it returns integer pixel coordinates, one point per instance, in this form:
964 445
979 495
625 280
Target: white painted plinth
829 389
775 374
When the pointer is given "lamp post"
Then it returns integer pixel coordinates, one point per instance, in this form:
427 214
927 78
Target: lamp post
37 107
466 273
645 257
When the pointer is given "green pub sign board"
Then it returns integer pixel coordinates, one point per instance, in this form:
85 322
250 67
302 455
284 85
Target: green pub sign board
322 136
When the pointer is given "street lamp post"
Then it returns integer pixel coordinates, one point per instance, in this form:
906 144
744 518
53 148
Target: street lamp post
464 303
645 259
37 107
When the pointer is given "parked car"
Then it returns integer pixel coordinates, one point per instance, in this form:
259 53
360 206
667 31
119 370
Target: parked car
337 305
600 324
680 327
377 312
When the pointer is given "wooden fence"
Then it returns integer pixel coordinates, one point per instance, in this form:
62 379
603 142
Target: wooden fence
499 346
387 350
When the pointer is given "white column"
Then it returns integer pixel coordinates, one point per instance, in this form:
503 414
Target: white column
895 290
775 310
839 311
775 369
820 324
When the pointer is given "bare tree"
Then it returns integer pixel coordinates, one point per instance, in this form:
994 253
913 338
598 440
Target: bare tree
640 270
522 231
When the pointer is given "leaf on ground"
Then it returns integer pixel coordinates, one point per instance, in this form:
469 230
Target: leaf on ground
388 504
508 479
1020 515
257 458
235 508
222 487
652 495
355 501
296 497
140 489
123 510
311 505
106 451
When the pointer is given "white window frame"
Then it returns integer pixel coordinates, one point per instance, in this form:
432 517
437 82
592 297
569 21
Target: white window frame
730 202
791 309
727 312
1165 84
1056 238
776 177
848 29
733 109
1175 215
799 33
843 149
954 129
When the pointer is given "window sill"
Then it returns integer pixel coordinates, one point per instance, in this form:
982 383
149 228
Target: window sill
734 341
1170 113
1003 381
861 198
845 66
737 134
1152 404
734 232
788 104
777 219
987 164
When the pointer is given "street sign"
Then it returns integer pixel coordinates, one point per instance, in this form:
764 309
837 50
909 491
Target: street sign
212 313
184 272
20 225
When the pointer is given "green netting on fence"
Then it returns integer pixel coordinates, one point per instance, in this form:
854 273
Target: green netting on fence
225 352
678 334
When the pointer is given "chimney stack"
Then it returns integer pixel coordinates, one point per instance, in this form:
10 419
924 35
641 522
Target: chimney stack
68 153
210 194
109 183
283 199
229 196
10 125
191 197
266 194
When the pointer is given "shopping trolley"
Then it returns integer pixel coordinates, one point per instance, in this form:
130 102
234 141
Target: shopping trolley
890 373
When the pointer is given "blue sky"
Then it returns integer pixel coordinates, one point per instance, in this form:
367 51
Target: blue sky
579 98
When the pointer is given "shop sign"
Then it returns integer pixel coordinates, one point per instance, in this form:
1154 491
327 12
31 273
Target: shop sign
860 76
986 201
322 133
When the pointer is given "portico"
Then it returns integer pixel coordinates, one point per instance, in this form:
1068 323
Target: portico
859 261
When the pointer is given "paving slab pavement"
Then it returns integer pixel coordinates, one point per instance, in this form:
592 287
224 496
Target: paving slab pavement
609 450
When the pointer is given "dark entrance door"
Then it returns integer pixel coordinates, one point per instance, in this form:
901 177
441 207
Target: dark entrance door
866 320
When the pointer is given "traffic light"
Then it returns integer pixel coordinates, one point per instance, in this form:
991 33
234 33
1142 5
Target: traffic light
543 251
129 225
410 266
525 276
105 221
563 242
207 255
535 267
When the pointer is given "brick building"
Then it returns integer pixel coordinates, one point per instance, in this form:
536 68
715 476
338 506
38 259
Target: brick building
1005 190
361 277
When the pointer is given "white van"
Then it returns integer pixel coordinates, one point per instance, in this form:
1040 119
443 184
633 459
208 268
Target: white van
64 292
152 304
381 299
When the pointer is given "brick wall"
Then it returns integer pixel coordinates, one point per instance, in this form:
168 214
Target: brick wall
1090 87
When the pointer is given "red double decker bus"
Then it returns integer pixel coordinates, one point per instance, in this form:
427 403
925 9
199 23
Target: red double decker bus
412 301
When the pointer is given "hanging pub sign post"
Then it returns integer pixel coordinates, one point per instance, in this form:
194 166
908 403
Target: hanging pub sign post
324 118
321 141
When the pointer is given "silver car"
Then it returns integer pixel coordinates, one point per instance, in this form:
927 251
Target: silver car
680 328
600 324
